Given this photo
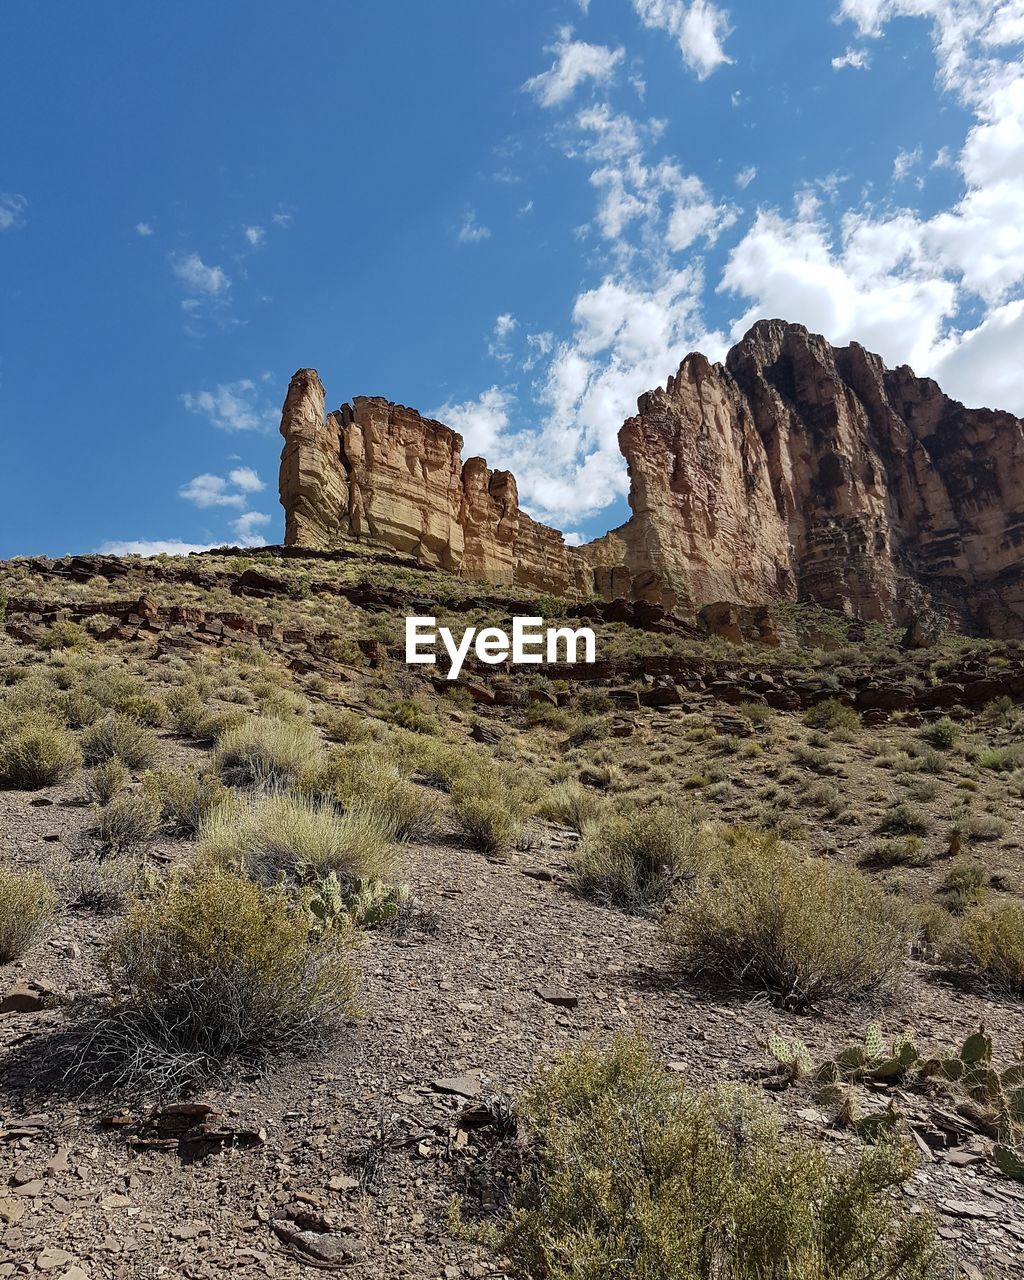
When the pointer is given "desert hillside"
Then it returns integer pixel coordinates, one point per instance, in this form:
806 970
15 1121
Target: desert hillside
291 930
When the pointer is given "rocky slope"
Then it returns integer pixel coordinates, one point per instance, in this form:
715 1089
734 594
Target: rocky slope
796 470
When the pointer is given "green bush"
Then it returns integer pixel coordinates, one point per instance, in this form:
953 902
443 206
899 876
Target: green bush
830 715
368 778
26 908
38 754
101 884
408 714
571 805
267 837
184 796
266 751
636 859
963 886
104 781
942 734
215 966
66 635
119 735
194 719
631 1174
488 811
130 819
990 942
807 931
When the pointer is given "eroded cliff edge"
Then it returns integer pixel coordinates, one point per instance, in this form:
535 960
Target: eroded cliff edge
794 470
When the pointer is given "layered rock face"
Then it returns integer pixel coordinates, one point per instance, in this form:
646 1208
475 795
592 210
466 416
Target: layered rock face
380 472
794 471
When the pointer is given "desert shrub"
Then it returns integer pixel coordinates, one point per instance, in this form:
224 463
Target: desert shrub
408 714
369 778
933 923
79 709
942 734
441 765
345 725
963 886
592 702
487 810
1001 759
631 1174
831 715
902 818
281 703
808 931
571 805
212 967
130 819
903 851
757 713
192 718
145 708
818 759
989 941
38 753
589 730
635 859
66 635
104 781
100 884
26 908
184 796
270 836
267 751
119 735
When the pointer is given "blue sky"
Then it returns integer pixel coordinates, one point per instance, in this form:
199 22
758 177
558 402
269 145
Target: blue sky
515 216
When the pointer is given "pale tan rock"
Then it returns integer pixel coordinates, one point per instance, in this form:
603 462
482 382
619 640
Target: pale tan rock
793 471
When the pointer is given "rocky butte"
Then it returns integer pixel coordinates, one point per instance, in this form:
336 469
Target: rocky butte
795 471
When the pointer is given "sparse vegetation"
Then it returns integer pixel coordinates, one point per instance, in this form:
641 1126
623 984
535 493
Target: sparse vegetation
488 811
634 1175
635 859
267 751
806 930
119 735
38 754
26 908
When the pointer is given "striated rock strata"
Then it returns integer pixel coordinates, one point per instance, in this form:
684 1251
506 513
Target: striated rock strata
793 471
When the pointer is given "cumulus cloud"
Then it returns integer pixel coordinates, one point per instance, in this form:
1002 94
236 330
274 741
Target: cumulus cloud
470 231
143 229
211 491
254 235
245 528
575 62
905 162
246 479
153 547
480 422
900 282
700 28
198 278
12 210
504 326
232 406
855 59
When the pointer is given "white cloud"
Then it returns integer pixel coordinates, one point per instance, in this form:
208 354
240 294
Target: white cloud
210 491
904 163
982 366
198 278
254 235
281 219
700 29
575 62
746 176
246 525
12 210
246 479
232 406
523 210
143 229
480 422
152 547
855 59
470 231
504 326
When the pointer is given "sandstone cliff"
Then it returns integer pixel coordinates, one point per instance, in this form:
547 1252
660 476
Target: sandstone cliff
795 470
380 472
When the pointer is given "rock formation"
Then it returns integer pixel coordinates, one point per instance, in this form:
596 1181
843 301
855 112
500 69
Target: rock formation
380 472
794 471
